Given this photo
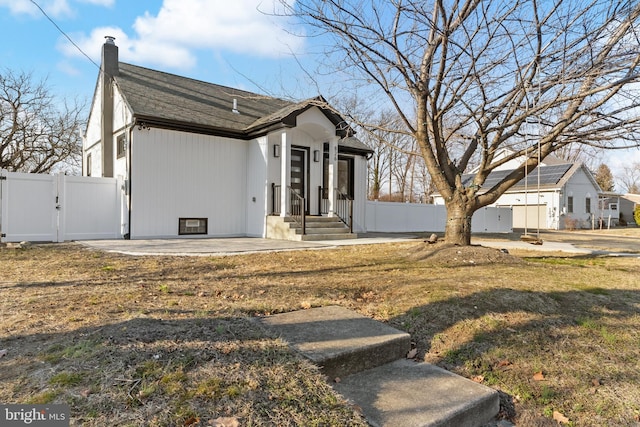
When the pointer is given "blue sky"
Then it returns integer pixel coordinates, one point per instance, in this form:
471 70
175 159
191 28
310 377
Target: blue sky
220 41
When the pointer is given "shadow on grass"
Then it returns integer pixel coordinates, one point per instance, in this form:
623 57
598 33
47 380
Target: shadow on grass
154 371
585 342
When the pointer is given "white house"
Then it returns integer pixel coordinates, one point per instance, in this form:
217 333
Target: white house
556 195
199 159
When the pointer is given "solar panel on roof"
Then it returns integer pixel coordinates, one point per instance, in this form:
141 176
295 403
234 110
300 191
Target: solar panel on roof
549 175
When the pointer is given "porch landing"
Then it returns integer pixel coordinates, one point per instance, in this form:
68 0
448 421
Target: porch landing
317 228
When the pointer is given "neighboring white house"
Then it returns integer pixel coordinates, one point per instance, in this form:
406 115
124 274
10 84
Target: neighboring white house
563 195
207 160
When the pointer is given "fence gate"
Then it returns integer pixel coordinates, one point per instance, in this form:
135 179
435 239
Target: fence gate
55 208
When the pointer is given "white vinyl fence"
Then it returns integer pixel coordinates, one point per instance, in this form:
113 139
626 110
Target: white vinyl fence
393 217
55 208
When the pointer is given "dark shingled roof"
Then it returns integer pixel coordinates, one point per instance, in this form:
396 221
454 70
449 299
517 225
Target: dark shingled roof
159 95
550 176
167 99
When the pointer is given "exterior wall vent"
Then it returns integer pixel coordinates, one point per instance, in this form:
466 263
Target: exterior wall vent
188 226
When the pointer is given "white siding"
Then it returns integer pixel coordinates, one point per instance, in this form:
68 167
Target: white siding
257 200
299 139
359 194
121 122
182 175
92 133
579 187
91 143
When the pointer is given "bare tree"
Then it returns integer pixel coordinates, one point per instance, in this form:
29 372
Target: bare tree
36 133
630 178
469 77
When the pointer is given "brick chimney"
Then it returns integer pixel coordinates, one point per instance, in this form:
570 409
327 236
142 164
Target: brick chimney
108 72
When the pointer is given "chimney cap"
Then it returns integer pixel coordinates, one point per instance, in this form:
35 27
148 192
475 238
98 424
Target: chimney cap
110 40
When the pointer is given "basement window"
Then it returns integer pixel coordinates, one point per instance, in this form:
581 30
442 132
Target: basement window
192 226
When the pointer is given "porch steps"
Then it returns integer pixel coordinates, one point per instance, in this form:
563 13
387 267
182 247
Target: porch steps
317 228
365 362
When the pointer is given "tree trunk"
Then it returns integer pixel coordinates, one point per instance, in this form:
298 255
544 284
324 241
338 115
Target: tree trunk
458 228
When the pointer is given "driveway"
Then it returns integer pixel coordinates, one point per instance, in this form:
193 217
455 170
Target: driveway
613 242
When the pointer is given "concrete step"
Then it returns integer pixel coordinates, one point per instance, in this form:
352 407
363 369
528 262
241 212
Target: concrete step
338 340
327 236
407 393
317 228
323 230
325 224
369 358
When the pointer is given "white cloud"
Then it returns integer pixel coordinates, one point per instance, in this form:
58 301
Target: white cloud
241 26
171 37
105 3
53 8
129 50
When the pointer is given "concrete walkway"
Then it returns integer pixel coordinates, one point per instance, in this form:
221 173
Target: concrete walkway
244 245
365 361
232 245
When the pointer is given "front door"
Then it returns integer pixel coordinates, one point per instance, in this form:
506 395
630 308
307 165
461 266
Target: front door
299 174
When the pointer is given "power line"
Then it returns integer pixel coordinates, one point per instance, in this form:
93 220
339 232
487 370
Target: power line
65 34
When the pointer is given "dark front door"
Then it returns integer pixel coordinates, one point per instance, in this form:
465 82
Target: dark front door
299 173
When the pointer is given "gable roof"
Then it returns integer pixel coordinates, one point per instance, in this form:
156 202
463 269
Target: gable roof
164 99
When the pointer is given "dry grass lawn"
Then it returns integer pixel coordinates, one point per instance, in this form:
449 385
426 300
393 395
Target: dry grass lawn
169 341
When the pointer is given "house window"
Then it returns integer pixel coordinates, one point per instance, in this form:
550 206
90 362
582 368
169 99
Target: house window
587 206
88 164
121 146
192 226
570 204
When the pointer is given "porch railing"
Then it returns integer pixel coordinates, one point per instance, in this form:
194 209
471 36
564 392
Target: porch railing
343 208
297 206
323 201
297 209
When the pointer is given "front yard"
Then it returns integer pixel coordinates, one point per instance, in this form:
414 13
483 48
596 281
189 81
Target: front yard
164 341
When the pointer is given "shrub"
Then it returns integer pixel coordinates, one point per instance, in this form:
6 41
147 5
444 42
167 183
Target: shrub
636 214
570 223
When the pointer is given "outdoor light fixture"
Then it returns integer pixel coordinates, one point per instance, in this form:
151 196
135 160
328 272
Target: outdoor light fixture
276 150
316 155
